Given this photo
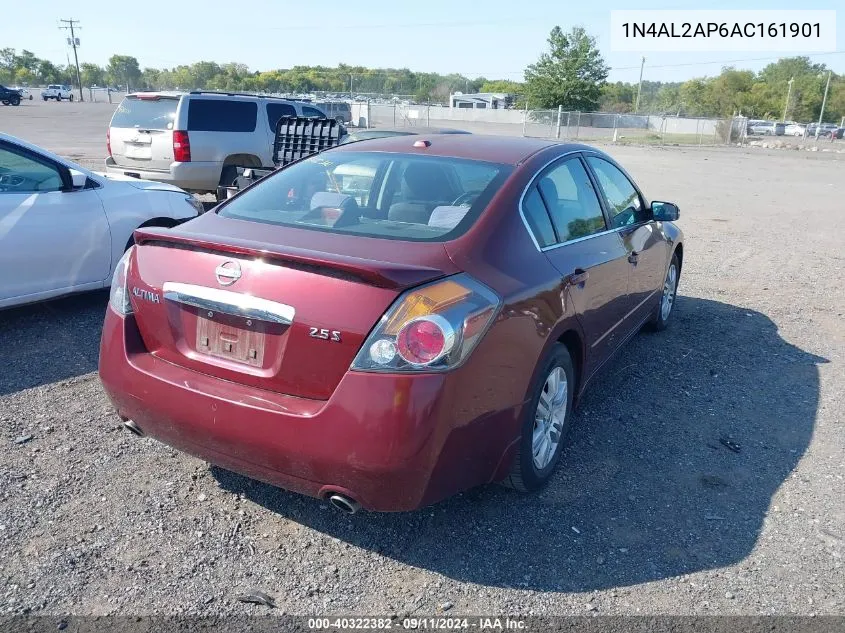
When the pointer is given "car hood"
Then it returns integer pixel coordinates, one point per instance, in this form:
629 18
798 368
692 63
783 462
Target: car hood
146 185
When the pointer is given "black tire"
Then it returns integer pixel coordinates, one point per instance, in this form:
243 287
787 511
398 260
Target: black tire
70 98
227 178
15 101
660 320
525 476
45 98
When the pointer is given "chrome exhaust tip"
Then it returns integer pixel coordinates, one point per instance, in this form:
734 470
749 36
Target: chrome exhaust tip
129 425
344 503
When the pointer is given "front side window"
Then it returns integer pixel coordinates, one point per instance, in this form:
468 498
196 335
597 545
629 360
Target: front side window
568 194
21 173
222 115
373 194
623 201
311 112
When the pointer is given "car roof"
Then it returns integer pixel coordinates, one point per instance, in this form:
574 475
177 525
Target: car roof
510 150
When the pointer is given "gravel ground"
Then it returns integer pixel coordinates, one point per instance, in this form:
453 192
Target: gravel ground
650 513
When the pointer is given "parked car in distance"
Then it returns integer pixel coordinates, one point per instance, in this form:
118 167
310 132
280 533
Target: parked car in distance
57 92
337 110
766 128
26 93
795 129
385 324
63 228
10 96
826 130
197 140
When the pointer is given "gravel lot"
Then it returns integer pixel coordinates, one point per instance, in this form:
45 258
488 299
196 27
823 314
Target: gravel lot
649 514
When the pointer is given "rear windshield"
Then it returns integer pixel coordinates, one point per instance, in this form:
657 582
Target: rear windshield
374 194
147 114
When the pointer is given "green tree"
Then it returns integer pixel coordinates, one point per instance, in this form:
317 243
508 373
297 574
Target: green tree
124 69
570 74
92 74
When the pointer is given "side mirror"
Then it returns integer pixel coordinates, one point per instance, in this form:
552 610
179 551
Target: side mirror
665 211
78 178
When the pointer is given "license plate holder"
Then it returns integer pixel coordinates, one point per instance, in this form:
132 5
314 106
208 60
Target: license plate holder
231 338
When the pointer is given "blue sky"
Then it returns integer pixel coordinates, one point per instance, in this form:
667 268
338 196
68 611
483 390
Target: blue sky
493 38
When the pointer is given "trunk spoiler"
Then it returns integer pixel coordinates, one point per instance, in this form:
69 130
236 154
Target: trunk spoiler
373 272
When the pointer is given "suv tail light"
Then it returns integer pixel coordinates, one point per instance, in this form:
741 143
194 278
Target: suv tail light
181 147
431 328
108 141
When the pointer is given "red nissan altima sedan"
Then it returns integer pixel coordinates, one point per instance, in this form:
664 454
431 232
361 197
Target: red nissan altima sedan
392 321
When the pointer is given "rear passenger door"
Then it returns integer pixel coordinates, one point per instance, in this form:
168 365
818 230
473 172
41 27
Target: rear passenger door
646 250
563 211
219 128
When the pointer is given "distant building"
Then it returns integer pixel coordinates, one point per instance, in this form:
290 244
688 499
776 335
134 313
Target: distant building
481 100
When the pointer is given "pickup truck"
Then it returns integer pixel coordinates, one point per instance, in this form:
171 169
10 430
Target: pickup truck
57 92
9 96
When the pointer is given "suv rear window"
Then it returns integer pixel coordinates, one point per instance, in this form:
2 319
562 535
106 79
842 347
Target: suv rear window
146 114
221 115
374 194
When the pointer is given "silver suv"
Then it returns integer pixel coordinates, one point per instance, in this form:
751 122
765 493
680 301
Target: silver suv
197 140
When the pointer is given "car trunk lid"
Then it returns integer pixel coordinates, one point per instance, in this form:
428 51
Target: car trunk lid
287 318
141 132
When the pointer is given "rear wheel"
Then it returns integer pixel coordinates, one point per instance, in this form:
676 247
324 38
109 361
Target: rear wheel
546 424
70 98
664 309
45 98
227 177
15 101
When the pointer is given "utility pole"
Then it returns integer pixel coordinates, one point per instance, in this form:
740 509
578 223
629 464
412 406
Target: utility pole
350 86
788 94
639 88
824 103
71 23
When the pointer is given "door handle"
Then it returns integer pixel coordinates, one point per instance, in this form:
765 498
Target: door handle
634 257
578 277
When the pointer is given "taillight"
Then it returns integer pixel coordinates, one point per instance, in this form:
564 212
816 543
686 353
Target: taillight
181 147
119 292
431 328
108 141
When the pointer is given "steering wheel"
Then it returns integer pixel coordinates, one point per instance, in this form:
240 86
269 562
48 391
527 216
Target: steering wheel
467 198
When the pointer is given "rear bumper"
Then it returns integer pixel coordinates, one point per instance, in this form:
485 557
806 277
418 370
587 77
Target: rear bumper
391 442
193 176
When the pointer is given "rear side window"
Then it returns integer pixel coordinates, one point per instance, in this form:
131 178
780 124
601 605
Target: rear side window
146 114
538 218
222 115
276 111
572 203
374 194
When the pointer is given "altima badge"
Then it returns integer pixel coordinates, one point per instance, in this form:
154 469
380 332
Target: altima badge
153 297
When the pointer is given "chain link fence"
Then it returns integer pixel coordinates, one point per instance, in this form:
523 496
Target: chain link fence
597 127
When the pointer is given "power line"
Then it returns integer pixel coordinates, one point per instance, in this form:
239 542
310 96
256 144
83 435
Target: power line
73 42
723 61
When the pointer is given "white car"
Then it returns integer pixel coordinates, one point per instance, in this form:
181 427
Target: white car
63 228
795 129
57 92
